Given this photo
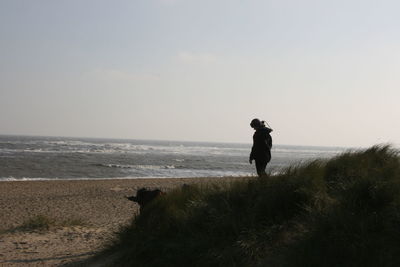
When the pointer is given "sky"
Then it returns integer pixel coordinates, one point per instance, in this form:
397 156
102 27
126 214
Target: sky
321 73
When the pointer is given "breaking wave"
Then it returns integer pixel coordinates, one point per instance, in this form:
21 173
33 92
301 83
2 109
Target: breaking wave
122 166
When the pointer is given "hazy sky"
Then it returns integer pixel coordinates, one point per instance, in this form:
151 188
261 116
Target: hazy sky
320 72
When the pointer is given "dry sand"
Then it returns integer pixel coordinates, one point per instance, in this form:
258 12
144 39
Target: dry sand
99 204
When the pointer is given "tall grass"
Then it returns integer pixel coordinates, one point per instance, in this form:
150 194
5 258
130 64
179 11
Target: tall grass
341 212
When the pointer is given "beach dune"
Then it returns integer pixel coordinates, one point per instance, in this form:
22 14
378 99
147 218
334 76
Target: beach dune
99 206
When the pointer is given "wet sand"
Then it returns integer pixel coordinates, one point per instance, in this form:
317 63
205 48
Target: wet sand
99 206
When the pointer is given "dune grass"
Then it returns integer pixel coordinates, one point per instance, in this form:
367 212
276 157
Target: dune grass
339 212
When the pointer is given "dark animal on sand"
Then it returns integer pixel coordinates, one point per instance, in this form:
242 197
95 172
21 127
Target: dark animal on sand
145 196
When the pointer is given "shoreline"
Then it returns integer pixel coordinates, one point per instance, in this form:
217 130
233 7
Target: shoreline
118 178
99 204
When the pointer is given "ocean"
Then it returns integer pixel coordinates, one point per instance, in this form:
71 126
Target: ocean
50 158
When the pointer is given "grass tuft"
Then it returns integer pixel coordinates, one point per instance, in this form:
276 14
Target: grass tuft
39 222
45 223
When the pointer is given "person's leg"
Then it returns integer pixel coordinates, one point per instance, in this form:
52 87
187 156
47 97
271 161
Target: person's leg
260 166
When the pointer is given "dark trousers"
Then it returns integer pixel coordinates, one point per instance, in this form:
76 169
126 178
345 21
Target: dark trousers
260 166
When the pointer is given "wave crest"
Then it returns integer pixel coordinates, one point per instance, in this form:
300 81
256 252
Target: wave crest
126 166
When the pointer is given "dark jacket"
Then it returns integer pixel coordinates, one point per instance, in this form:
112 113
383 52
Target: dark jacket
262 144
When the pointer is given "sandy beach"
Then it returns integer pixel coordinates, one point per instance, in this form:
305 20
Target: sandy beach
98 205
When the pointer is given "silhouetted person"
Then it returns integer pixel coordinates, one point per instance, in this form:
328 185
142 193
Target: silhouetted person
262 144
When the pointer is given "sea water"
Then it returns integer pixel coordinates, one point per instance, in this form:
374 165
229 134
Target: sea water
49 158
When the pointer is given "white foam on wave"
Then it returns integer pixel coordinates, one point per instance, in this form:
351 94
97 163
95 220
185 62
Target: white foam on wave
126 166
306 151
109 148
99 146
12 179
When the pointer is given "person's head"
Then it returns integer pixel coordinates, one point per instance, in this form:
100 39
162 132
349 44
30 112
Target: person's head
255 124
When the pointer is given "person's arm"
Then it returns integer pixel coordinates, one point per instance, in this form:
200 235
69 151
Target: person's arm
251 158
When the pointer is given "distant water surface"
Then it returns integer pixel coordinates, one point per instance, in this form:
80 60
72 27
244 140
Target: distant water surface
48 158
